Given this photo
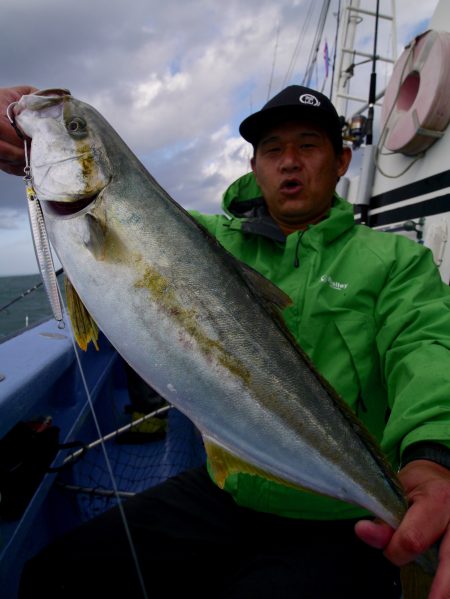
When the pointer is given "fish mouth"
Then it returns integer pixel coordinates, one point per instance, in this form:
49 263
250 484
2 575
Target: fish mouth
69 209
35 101
53 91
41 99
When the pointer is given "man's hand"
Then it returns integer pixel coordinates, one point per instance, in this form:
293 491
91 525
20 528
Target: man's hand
11 146
427 486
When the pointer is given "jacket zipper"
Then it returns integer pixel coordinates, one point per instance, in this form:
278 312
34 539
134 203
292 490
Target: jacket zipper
297 260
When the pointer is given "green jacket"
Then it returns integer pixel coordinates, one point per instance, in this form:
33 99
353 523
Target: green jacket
371 311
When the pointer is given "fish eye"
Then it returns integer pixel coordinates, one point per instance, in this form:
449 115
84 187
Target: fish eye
76 125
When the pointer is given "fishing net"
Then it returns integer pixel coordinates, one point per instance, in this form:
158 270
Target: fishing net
140 457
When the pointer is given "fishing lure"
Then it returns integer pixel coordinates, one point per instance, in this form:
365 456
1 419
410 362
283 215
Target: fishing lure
39 235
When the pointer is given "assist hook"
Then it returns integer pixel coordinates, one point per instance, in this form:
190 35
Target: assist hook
12 119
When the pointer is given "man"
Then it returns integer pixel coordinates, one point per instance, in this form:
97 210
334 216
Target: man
371 311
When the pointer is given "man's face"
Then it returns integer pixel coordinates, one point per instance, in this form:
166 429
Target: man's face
297 169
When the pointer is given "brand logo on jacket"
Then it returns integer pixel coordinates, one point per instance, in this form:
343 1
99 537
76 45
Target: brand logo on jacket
309 99
333 284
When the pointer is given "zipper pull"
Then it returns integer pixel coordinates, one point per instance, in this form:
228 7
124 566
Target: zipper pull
296 259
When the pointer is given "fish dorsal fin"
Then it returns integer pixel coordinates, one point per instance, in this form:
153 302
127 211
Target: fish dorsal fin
84 328
271 295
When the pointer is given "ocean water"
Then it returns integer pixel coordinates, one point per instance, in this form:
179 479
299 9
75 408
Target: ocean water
29 308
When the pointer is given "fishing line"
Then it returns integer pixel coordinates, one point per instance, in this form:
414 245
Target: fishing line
299 44
45 263
338 18
101 441
275 51
312 60
61 160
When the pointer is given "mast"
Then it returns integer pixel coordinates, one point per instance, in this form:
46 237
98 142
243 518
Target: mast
353 62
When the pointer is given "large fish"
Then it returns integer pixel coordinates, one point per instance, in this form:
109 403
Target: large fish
200 327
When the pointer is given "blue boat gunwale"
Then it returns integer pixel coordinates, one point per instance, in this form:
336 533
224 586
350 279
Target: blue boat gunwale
41 377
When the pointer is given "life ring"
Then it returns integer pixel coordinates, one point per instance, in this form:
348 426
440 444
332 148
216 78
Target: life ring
416 106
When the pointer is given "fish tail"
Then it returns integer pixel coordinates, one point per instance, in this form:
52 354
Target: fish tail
416 583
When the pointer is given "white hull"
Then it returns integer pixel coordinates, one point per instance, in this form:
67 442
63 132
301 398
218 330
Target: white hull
413 188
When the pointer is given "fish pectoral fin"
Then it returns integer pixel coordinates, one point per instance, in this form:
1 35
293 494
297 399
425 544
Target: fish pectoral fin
94 236
84 327
263 288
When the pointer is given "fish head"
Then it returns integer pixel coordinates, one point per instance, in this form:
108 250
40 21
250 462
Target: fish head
68 160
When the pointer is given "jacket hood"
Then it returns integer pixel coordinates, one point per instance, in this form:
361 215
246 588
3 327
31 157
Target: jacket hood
243 200
243 197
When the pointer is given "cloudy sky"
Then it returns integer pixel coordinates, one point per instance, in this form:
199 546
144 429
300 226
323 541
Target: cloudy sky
174 78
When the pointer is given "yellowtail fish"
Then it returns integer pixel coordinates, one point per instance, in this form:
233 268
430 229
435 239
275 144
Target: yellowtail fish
200 327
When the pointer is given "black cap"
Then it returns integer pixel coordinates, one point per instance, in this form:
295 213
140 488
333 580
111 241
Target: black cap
294 102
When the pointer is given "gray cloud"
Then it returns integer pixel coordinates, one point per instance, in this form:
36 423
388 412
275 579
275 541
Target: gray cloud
174 78
166 75
12 196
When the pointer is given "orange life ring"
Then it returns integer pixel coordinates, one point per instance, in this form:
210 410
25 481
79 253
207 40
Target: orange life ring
416 106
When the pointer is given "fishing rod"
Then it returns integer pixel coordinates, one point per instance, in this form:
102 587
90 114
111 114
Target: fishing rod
370 118
373 83
28 291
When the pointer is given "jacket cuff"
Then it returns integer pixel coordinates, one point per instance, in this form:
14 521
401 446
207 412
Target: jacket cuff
427 450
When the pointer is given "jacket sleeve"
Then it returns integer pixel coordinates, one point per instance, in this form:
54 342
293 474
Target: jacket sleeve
413 312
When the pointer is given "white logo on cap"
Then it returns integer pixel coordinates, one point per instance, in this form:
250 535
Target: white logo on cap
309 99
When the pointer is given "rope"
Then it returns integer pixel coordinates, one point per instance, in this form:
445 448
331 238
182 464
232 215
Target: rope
312 60
300 39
